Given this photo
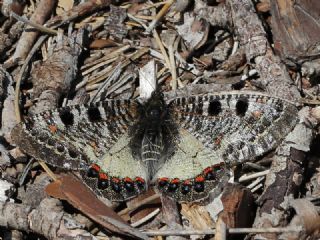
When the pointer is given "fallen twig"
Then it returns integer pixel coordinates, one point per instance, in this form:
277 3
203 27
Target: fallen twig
212 231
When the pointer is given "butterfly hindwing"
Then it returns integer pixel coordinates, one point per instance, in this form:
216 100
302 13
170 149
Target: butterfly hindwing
192 171
117 175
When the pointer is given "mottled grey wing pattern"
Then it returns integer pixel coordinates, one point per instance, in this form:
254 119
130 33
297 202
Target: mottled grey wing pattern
237 126
217 131
83 138
185 146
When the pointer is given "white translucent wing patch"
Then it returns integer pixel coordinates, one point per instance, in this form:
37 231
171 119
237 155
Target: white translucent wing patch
120 162
189 160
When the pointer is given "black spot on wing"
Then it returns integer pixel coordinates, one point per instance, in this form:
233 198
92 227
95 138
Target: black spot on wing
214 107
94 114
72 153
242 106
66 116
60 148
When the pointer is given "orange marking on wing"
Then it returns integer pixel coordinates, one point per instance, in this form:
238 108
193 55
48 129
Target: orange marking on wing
175 180
140 179
199 179
103 176
115 180
127 179
218 140
96 167
165 179
207 170
257 114
187 182
53 128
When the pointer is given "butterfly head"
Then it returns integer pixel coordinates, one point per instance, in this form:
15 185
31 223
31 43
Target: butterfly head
155 108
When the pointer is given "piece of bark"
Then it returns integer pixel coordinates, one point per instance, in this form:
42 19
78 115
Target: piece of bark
216 15
314 185
285 176
12 5
274 77
52 78
8 118
114 23
295 26
306 218
82 9
311 70
56 225
4 158
7 39
33 193
29 36
247 26
197 217
171 216
238 206
194 31
221 230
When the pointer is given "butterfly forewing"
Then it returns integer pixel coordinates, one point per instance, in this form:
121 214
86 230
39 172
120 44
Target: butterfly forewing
236 126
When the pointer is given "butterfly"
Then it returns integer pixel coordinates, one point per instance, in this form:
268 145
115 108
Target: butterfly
184 147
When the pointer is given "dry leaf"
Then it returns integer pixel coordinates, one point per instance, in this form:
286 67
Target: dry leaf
82 198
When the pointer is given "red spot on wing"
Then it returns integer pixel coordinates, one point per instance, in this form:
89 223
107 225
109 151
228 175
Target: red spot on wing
53 128
127 179
175 180
115 180
164 179
207 170
199 179
96 167
103 176
140 179
218 140
187 182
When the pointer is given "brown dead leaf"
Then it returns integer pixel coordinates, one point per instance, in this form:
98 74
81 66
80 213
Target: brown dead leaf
102 43
54 190
82 198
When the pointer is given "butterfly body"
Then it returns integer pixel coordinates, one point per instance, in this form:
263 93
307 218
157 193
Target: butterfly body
184 146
